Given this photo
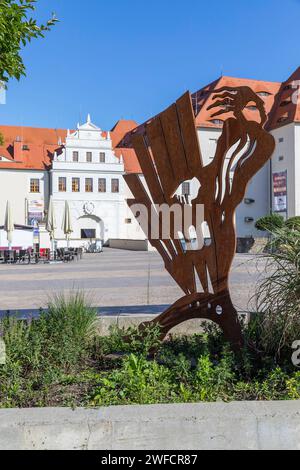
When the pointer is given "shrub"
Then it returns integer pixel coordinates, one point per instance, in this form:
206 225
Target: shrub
269 223
39 351
138 381
293 223
57 360
278 295
69 328
130 340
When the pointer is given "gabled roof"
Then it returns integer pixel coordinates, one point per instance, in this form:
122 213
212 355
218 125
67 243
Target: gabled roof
33 148
272 93
203 98
287 103
118 132
30 147
120 129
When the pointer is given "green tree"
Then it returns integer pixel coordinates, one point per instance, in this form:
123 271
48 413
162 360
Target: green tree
17 28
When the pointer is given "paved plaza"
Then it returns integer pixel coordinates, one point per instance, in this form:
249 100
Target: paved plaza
115 281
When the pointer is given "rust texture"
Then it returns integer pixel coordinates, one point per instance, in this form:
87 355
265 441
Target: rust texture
169 154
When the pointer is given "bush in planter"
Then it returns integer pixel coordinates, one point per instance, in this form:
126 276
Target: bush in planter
278 295
293 223
40 351
269 223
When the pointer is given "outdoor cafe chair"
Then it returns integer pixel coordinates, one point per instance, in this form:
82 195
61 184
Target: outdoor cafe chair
61 256
24 256
10 256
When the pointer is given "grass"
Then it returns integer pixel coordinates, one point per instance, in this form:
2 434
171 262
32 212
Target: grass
58 360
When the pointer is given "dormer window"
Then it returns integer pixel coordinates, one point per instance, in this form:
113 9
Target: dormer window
102 157
283 118
287 87
218 122
75 156
263 93
89 157
25 147
286 102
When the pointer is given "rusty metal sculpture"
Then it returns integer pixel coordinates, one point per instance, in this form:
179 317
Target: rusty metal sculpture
169 154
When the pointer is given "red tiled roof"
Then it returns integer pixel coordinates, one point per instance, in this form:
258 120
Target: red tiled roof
270 93
118 132
286 109
120 129
33 148
29 147
203 98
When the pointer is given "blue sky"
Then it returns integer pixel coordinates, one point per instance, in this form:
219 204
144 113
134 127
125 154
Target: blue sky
130 59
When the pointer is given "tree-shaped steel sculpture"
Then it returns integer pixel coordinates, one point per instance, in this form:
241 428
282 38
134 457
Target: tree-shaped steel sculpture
169 154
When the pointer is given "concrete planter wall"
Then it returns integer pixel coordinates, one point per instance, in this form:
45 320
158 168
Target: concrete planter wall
245 425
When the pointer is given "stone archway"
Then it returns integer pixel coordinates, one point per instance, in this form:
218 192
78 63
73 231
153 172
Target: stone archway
92 222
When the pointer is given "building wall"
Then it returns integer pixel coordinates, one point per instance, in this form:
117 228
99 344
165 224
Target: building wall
297 169
288 150
15 187
105 212
258 188
108 213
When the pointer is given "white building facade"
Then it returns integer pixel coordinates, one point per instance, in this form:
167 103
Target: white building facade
86 167
89 176
86 173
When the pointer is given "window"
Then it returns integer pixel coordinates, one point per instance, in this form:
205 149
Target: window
75 156
75 185
186 190
281 139
88 185
281 158
88 233
102 185
115 185
283 118
102 157
286 102
218 122
263 93
89 157
62 185
34 185
128 221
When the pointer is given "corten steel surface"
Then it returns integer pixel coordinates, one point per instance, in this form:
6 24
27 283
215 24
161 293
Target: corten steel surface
168 151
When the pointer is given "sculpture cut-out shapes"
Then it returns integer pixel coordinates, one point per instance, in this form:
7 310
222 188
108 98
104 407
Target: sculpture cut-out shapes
169 154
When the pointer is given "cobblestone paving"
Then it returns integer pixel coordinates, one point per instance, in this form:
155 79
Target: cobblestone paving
114 280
